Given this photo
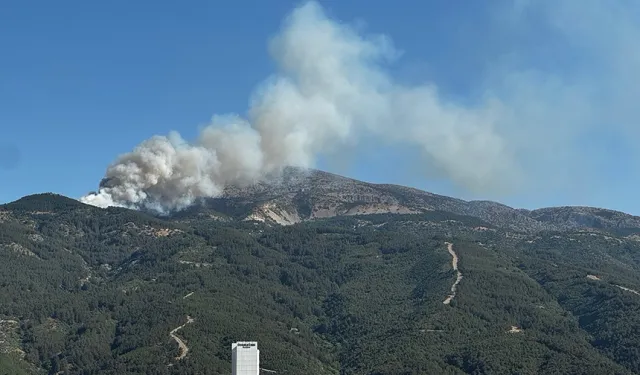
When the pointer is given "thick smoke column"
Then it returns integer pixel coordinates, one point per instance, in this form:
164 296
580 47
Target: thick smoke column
331 89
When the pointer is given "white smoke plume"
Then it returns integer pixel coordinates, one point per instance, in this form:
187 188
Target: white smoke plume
331 88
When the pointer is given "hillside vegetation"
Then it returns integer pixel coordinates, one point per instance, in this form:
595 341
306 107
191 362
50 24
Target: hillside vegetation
98 291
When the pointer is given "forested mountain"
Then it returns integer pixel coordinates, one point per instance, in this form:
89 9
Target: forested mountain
85 290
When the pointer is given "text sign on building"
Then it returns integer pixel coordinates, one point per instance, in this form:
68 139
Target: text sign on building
245 358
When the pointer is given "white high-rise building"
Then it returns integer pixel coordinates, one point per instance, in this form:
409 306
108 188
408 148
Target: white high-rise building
245 358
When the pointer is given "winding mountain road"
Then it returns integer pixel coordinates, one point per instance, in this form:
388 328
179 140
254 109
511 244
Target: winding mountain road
183 347
454 264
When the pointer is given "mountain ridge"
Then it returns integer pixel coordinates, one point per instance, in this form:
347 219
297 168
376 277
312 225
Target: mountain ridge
299 195
339 196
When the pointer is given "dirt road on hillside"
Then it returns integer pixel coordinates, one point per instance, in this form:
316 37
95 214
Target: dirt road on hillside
454 264
183 347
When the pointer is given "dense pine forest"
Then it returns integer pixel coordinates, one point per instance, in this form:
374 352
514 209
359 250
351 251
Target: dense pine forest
97 291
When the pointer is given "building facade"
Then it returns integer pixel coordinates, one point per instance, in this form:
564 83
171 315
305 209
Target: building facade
245 358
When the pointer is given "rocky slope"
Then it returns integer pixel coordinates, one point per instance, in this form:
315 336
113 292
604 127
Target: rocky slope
301 195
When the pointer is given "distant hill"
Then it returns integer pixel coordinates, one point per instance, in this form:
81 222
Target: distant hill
330 275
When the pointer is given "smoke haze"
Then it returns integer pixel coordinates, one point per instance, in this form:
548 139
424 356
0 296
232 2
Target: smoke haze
332 89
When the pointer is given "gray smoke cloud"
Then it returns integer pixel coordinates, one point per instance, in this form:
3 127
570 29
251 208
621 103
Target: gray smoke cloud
331 88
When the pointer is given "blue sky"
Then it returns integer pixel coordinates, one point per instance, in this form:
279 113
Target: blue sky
83 82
